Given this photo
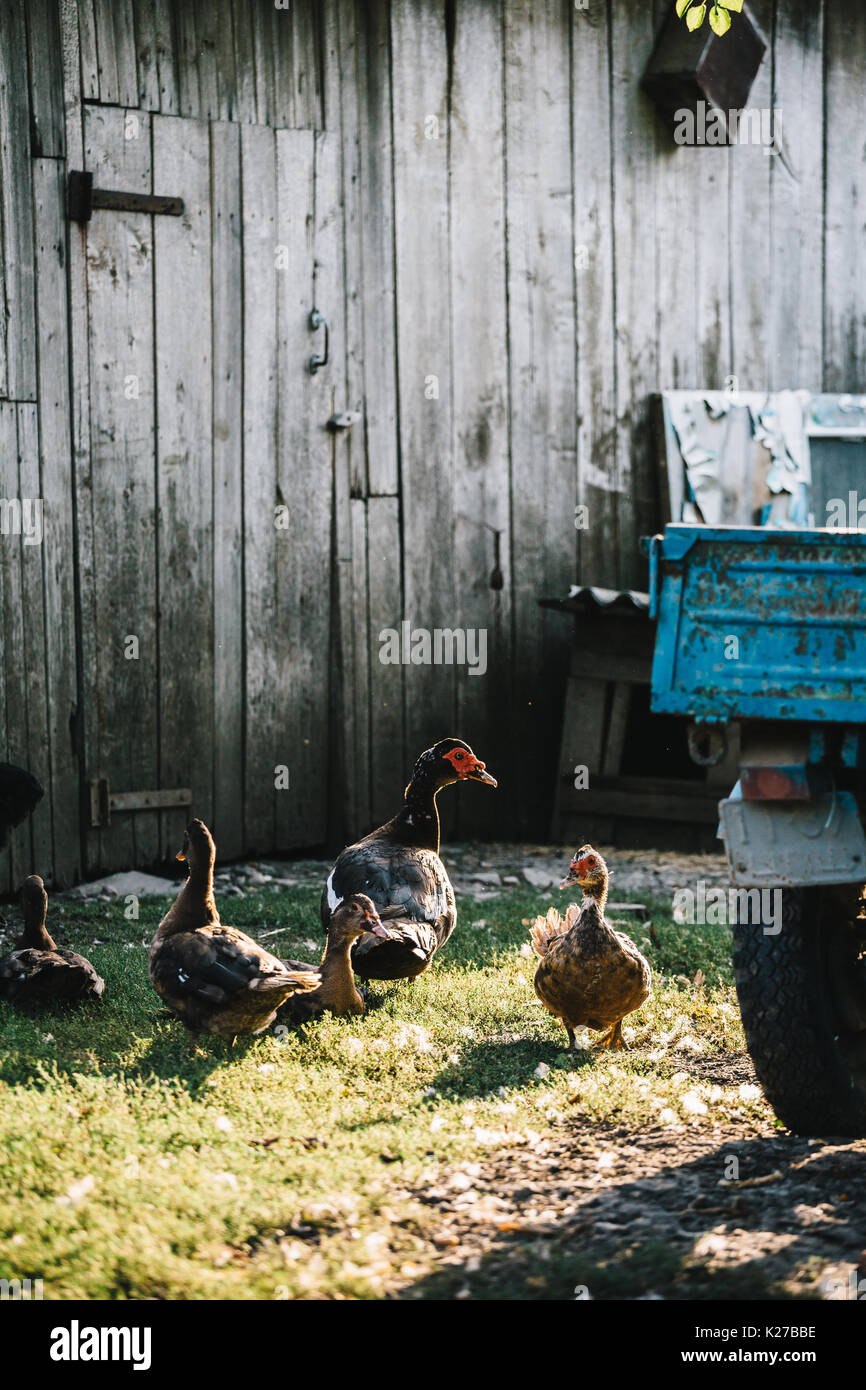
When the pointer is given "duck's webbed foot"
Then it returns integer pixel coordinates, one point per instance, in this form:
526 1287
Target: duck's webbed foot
613 1039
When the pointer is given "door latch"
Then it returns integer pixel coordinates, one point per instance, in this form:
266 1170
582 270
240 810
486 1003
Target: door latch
82 198
345 420
316 322
103 801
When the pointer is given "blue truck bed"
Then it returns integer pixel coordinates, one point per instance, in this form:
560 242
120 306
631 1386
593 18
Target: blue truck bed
760 624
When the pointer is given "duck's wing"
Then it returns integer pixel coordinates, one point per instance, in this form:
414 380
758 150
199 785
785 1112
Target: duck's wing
362 868
20 792
301 966
91 979
413 881
34 974
217 964
408 950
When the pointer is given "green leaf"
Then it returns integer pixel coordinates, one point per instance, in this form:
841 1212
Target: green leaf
695 17
735 5
720 20
682 6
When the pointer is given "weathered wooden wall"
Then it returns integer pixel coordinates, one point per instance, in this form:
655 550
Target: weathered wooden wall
431 168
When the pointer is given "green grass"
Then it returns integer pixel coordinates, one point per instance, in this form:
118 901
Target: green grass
131 1168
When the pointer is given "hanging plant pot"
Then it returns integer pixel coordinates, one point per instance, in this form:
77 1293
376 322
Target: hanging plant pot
693 72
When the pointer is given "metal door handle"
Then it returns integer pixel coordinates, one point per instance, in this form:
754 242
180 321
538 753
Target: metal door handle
318 320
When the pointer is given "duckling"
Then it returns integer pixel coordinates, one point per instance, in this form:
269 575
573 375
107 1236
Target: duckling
215 979
337 991
399 866
590 975
36 969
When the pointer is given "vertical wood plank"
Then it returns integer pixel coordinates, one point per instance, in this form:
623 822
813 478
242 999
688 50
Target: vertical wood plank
16 212
208 19
166 57
226 73
372 382
58 546
677 232
634 147
845 251
33 651
390 760
46 78
480 374
348 796
187 65
420 134
106 52
615 739
119 587
19 855
245 60
264 57
123 16
306 18
182 250
796 337
228 489
356 692
713 269
304 465
676 236
594 272
262 700
543 397
752 264
147 54
282 29
88 54
81 462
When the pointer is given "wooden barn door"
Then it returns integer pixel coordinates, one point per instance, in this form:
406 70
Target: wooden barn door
204 512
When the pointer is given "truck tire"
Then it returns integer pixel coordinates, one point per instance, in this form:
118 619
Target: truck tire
802 994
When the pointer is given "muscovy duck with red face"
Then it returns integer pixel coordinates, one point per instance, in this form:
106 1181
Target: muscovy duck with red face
398 866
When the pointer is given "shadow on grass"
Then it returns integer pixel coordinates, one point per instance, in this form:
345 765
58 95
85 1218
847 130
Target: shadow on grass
636 1239
484 1067
68 1040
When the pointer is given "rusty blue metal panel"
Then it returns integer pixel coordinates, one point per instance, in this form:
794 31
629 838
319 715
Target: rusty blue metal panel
759 624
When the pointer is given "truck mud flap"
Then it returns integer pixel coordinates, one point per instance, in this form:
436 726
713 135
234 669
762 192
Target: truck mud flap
794 843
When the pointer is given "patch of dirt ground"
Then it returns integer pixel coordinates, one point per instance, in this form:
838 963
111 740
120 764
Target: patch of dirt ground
726 1211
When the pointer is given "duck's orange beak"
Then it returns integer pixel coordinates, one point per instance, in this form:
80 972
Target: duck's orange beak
181 856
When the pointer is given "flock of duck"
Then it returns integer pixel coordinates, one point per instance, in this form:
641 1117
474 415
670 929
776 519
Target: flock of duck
387 908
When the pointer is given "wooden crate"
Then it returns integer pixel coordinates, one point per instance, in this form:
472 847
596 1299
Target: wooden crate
611 661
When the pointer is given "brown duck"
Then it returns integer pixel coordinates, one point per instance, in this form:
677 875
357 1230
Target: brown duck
590 976
337 992
215 979
37 969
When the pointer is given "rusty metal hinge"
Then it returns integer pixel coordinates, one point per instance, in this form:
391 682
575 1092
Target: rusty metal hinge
82 198
103 801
